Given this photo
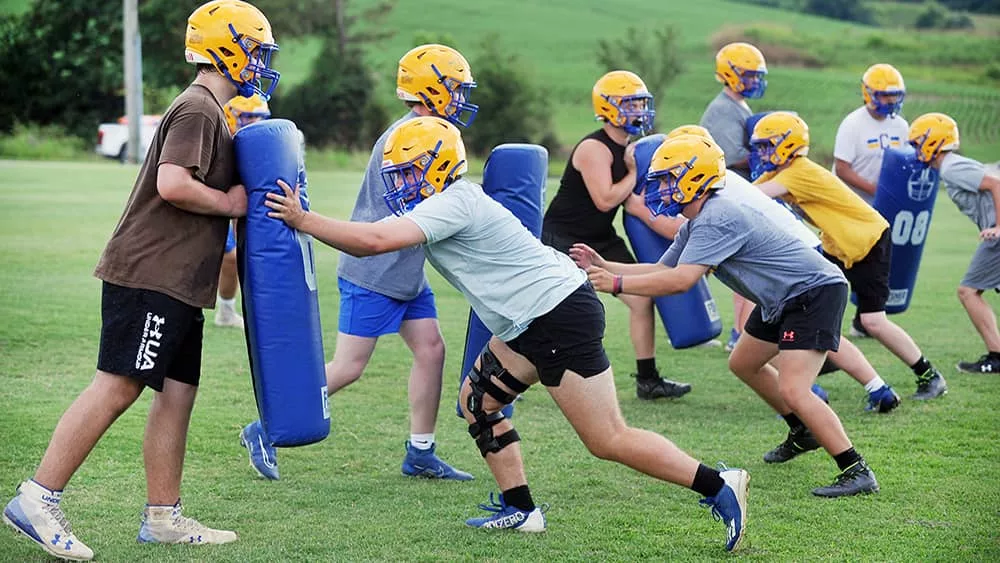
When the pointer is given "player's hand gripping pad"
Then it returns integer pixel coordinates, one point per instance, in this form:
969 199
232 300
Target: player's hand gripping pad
905 196
690 318
278 280
514 175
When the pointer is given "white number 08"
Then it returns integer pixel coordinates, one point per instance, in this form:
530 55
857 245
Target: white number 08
906 229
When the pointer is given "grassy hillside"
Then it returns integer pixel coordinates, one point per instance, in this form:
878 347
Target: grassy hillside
557 39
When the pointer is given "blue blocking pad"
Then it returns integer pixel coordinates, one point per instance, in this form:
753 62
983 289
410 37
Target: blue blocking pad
690 318
285 339
514 176
907 189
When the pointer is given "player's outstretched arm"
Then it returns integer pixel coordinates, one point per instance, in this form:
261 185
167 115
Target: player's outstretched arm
992 184
663 281
354 238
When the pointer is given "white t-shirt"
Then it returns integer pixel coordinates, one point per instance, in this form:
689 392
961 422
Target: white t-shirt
861 139
743 192
508 276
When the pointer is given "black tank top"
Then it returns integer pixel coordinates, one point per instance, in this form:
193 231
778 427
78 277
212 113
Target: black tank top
572 212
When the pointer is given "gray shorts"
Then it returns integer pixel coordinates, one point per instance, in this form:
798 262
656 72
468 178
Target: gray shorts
984 271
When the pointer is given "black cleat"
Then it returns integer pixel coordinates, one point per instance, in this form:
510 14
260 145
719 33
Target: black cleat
660 388
799 441
855 480
985 364
930 385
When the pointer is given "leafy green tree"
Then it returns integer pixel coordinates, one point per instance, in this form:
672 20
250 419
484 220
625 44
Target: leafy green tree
653 55
847 10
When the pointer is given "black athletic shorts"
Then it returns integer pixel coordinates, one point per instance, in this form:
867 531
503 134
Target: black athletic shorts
612 249
149 336
810 321
869 276
569 337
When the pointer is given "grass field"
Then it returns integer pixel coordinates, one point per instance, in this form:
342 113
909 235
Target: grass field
345 500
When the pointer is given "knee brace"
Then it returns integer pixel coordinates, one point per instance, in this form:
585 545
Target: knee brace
481 383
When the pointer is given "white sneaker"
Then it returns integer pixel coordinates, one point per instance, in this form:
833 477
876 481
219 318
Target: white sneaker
35 513
164 524
226 316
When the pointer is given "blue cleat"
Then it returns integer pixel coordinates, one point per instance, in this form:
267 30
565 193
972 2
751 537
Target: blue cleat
423 463
883 399
263 456
821 393
730 504
505 517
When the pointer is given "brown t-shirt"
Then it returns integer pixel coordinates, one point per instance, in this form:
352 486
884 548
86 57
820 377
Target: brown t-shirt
158 246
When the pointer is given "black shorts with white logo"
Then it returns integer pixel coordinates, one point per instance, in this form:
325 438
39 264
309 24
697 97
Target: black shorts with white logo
569 337
149 336
869 277
810 321
612 249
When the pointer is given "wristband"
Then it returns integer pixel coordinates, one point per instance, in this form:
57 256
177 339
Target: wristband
616 284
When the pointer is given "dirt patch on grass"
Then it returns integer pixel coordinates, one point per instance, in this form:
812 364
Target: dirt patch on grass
775 53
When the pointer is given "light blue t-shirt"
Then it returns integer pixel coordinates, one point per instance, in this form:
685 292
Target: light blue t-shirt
400 274
508 276
751 255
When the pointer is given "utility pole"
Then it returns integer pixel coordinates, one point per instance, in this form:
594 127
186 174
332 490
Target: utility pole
132 44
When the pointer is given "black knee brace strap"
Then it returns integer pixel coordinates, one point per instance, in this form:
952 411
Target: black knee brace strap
480 382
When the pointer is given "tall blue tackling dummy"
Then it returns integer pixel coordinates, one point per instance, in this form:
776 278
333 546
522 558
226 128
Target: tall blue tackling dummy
280 302
690 318
907 189
514 176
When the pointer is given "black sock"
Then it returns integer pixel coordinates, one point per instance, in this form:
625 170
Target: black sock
792 420
847 458
993 355
707 481
520 498
921 366
646 369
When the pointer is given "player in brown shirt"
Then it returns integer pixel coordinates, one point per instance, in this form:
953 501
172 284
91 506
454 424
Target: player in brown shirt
160 268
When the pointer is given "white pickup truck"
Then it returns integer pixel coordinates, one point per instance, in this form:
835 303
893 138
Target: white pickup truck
112 138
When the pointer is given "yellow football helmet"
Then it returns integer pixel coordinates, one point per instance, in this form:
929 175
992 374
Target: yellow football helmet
932 133
621 98
779 137
741 66
235 38
438 77
696 130
883 80
685 167
241 111
421 158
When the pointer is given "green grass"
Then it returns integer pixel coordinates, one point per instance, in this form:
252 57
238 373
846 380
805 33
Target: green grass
344 499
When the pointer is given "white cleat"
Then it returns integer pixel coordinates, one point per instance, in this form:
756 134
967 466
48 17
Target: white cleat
35 513
164 524
228 317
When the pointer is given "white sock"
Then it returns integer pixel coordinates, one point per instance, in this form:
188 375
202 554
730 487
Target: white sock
228 303
874 384
422 441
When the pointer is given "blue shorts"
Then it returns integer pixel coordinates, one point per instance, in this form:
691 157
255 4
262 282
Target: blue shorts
370 314
230 239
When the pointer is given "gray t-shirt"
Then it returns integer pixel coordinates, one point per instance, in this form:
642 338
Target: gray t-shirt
751 255
962 177
726 120
508 276
400 274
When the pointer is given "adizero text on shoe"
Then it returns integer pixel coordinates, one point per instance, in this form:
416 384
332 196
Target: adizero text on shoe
263 456
165 524
799 441
882 400
930 385
35 514
660 388
855 480
984 364
424 463
730 504
505 517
